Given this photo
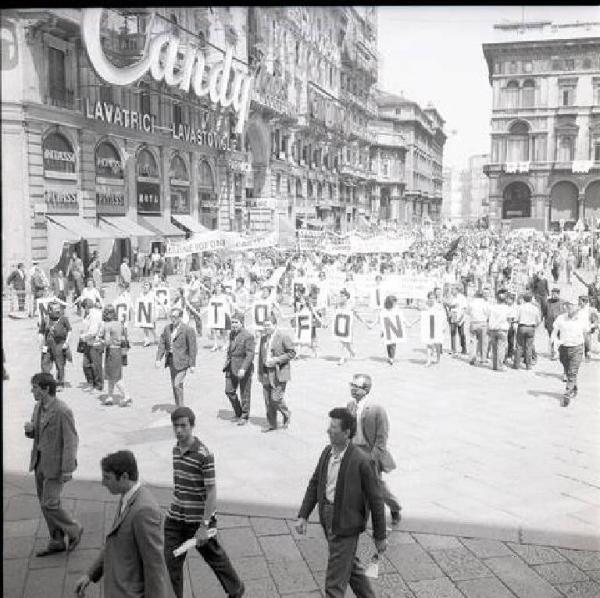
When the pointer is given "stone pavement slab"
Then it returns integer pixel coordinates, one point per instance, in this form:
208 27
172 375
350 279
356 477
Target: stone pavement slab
276 562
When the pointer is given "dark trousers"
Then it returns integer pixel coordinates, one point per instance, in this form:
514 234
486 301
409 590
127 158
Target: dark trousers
92 366
343 566
587 344
274 402
177 378
241 406
510 347
21 299
59 522
176 533
555 272
498 345
570 358
54 355
525 337
460 329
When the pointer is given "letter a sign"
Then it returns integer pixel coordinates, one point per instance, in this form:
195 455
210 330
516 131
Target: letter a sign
343 320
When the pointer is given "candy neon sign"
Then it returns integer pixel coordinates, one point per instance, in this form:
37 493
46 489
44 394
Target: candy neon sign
160 59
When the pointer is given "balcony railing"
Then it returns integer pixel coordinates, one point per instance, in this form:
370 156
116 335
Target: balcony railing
61 99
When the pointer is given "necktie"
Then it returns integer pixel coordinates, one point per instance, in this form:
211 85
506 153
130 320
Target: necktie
118 513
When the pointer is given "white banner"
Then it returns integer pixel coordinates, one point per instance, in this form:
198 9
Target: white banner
260 313
433 325
218 312
123 308
162 298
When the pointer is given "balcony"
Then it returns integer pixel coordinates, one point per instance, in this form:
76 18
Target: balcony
61 99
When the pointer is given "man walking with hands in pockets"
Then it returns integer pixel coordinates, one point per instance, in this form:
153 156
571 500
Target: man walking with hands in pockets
343 485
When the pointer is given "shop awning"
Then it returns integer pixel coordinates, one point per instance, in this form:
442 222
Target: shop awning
125 227
160 227
79 228
188 223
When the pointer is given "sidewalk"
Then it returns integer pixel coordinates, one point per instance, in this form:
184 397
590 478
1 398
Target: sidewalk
274 561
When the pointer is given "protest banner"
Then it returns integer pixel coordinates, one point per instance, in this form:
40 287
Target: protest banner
299 285
393 327
343 320
144 312
304 323
123 308
162 298
42 306
218 314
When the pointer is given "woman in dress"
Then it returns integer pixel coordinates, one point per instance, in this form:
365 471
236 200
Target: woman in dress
115 340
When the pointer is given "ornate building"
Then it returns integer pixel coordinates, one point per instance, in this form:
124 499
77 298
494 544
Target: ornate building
424 139
544 167
475 189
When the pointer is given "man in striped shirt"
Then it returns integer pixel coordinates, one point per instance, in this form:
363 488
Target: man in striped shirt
192 512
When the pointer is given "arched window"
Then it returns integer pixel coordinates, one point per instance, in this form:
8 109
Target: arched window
179 182
146 165
512 94
206 177
528 97
108 162
518 143
58 154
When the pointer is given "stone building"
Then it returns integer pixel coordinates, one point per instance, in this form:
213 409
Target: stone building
544 167
424 139
475 189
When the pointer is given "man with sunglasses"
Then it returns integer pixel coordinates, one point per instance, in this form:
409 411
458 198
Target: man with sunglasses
372 430
178 345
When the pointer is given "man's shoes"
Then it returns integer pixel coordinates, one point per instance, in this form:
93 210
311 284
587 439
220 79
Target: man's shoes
564 378
73 542
107 401
241 591
268 429
234 419
565 400
126 402
51 549
242 421
396 517
472 361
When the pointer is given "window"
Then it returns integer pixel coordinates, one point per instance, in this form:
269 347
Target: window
512 68
386 168
597 151
177 114
566 148
144 99
587 63
57 81
106 94
518 143
512 94
567 96
596 84
528 94
569 64
528 67
278 184
539 148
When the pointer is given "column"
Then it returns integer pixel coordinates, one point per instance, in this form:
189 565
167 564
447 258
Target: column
195 208
164 155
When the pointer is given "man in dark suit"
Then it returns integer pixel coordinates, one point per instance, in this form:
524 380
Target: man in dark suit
372 431
132 560
276 351
178 345
53 459
17 280
345 487
238 368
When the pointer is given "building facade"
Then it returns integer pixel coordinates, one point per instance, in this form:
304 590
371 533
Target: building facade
544 167
424 137
475 189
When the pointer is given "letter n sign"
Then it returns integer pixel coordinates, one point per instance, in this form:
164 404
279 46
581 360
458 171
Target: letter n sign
393 329
144 313
342 326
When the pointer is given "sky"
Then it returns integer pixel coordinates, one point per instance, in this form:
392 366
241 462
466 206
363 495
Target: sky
434 54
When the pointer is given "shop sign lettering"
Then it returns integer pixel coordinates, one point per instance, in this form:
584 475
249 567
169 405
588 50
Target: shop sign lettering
105 196
202 137
58 200
50 154
161 59
115 115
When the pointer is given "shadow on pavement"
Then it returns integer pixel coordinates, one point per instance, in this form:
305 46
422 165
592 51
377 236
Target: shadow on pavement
545 393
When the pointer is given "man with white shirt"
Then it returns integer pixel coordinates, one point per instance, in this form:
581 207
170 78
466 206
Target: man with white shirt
456 307
569 334
528 318
479 310
498 325
372 430
132 559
